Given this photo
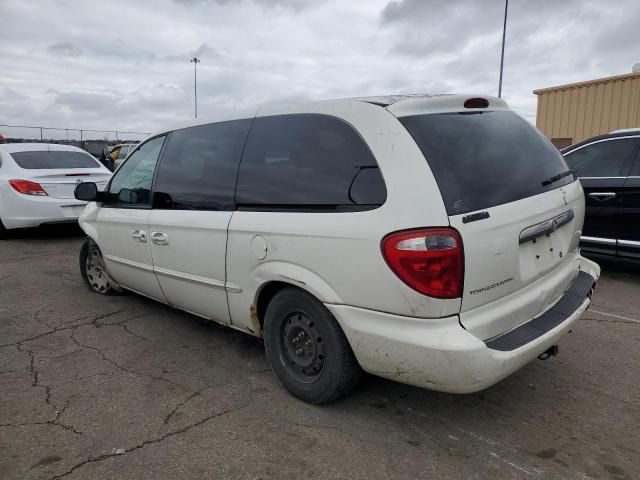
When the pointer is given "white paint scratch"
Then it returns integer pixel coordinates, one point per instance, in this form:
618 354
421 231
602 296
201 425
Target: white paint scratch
517 467
613 315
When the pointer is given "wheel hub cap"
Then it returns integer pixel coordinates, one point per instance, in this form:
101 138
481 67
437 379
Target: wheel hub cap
95 270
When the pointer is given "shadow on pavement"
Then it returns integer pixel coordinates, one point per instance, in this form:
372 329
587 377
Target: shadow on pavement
616 266
44 232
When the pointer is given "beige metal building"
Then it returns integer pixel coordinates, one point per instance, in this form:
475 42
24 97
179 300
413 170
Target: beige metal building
570 113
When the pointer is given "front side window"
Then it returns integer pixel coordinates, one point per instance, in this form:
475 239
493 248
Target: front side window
609 158
131 185
308 162
199 167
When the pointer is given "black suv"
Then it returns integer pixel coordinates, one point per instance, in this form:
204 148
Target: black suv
609 168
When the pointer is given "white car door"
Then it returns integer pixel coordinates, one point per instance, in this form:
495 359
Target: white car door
192 207
122 222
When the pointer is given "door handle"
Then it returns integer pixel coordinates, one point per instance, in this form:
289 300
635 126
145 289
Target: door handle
139 235
160 238
601 196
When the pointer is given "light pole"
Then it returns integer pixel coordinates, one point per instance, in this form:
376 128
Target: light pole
195 62
504 33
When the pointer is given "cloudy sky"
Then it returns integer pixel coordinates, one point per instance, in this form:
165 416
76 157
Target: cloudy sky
124 64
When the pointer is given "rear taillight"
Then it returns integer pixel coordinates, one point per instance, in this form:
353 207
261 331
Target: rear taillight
27 188
430 261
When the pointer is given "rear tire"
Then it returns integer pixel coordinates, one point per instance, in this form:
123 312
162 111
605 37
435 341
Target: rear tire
94 272
307 349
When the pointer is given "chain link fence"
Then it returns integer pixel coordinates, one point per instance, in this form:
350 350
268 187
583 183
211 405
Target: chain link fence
91 140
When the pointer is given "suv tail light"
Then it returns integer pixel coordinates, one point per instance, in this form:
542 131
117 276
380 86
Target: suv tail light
430 261
27 188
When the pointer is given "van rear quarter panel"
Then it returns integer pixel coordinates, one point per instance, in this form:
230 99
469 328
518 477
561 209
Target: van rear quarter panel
336 256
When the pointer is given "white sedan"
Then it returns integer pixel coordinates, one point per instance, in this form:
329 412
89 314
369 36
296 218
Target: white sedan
37 182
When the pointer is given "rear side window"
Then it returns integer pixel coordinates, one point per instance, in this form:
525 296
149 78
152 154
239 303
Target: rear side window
484 159
39 160
199 166
609 158
308 162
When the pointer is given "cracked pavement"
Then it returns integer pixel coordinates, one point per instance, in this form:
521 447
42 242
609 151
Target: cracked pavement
123 387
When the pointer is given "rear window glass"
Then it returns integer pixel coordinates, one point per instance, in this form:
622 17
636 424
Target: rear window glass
483 159
54 159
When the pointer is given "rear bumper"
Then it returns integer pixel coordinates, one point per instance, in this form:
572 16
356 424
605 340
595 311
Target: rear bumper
440 354
24 211
572 299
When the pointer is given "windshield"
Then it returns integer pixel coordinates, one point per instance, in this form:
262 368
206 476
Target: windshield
484 159
46 159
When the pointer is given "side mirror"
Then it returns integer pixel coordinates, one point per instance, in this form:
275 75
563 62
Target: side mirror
86 191
127 195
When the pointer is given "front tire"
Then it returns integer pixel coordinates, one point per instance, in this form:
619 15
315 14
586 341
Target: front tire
94 272
306 348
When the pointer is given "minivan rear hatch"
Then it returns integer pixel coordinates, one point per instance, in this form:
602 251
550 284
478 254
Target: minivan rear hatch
518 208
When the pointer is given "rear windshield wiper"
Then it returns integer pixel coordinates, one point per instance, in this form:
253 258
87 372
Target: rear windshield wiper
557 177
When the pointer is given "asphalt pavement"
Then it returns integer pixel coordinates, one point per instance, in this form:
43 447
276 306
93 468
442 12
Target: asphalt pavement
122 387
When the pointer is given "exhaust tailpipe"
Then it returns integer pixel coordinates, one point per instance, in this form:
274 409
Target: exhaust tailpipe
551 352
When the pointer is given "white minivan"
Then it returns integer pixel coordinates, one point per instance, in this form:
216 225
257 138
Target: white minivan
432 240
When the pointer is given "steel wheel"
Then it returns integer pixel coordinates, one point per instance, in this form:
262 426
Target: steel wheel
302 346
307 349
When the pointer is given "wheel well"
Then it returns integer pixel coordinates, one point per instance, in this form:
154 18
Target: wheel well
264 297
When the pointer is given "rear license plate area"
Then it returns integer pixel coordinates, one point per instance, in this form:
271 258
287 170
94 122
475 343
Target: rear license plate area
72 211
541 254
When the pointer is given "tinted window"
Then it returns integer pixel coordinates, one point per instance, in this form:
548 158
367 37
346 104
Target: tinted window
131 184
308 161
635 170
485 159
199 167
610 158
54 159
